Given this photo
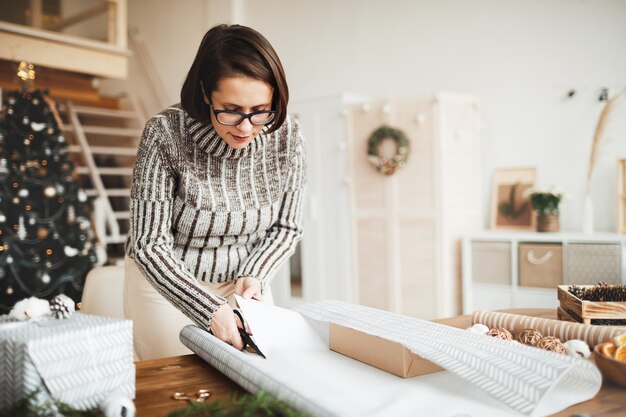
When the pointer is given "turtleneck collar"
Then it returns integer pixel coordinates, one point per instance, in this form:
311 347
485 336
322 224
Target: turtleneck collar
207 139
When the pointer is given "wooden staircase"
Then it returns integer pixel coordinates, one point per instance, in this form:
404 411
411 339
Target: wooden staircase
104 143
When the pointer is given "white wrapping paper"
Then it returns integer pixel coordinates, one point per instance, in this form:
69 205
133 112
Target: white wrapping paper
485 377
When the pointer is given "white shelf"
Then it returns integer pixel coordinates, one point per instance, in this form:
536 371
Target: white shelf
566 236
486 296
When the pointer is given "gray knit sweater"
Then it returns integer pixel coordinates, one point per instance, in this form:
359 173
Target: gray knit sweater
203 211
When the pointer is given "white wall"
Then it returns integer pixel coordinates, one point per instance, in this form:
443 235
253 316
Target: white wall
171 34
520 57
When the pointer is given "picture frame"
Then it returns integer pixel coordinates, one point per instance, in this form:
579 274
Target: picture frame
621 195
511 208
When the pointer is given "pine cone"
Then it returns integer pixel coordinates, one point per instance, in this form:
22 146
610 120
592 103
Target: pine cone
576 291
62 306
605 292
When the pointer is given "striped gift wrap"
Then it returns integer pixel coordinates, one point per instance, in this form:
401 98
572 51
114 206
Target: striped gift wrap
80 360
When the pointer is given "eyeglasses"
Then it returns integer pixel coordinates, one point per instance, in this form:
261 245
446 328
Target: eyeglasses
233 118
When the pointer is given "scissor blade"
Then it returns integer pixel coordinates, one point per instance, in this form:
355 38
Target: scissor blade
256 348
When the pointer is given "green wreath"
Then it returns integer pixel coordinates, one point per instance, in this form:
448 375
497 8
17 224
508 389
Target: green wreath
388 166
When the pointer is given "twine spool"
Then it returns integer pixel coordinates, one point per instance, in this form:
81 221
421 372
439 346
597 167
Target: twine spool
530 337
547 222
552 344
500 333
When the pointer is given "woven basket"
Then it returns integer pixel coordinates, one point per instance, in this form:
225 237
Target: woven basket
547 222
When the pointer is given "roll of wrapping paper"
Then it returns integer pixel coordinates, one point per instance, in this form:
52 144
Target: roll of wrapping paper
564 330
506 376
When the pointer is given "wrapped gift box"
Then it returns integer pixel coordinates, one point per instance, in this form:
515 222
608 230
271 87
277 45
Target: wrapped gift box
80 360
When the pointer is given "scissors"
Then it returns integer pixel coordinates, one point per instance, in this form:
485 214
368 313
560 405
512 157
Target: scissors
245 336
201 396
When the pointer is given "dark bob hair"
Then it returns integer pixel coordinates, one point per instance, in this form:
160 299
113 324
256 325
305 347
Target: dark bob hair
234 50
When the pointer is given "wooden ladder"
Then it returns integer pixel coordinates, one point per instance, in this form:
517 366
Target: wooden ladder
103 137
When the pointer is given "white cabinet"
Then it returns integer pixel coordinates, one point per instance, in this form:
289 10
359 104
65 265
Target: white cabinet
521 270
390 242
408 225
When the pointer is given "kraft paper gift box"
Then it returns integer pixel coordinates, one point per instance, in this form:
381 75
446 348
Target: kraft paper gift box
79 360
376 351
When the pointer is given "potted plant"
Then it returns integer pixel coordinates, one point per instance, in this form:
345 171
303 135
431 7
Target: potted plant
546 203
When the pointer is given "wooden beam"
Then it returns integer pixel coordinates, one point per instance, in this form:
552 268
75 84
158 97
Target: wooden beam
16 47
61 38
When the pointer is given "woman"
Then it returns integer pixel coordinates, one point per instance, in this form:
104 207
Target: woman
216 199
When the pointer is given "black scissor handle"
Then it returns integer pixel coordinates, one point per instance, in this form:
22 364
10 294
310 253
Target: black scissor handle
245 337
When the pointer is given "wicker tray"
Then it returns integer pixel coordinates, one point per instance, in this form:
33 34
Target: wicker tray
573 308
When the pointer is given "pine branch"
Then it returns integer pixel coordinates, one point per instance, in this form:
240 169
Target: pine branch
261 404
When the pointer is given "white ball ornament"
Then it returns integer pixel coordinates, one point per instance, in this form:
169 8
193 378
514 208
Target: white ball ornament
45 278
30 308
479 329
117 405
37 127
577 348
70 251
23 192
50 191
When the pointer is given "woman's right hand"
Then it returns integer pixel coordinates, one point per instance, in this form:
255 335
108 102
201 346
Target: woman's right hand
224 326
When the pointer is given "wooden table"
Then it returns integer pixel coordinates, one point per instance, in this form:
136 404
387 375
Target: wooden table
158 379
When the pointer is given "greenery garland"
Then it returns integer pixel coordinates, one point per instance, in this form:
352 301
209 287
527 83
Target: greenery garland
261 404
384 165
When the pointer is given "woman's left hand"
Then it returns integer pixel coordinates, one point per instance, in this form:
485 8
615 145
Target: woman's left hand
248 287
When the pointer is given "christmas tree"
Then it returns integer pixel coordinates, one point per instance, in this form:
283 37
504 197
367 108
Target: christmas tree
46 239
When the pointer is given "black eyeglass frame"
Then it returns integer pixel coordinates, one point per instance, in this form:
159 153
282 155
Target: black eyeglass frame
243 116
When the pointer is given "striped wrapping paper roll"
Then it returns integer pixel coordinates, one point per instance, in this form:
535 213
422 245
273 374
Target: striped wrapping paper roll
564 330
487 377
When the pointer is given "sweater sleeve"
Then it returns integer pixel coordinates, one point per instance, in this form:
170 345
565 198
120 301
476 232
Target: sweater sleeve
283 235
151 239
